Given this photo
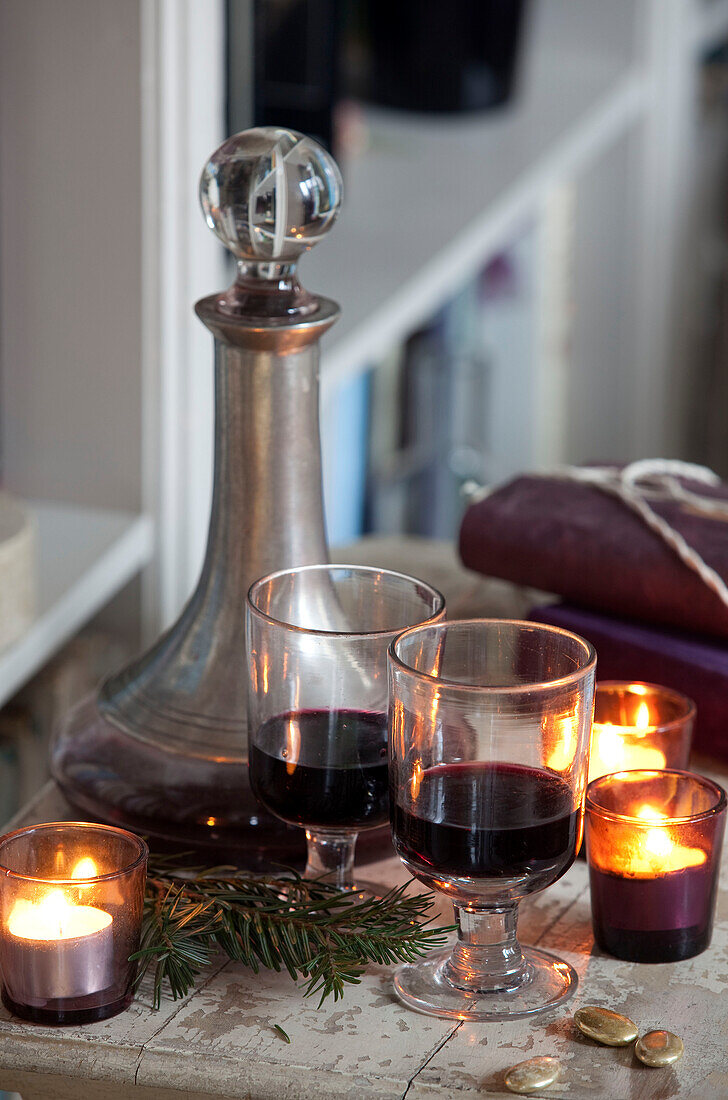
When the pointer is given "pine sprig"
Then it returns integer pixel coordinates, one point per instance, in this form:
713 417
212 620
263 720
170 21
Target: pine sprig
313 930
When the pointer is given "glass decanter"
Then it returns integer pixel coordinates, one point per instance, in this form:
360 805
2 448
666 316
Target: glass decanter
162 747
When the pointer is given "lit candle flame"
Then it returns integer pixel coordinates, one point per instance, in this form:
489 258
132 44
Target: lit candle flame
561 756
416 780
55 917
85 868
292 750
53 911
653 852
649 813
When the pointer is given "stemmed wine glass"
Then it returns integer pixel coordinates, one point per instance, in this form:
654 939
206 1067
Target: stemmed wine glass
317 639
489 738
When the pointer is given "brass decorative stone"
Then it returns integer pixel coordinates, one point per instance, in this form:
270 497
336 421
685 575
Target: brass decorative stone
604 1026
659 1048
533 1074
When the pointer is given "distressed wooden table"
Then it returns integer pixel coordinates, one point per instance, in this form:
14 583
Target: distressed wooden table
220 1041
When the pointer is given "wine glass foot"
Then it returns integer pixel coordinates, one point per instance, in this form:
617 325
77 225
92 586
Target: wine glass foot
425 987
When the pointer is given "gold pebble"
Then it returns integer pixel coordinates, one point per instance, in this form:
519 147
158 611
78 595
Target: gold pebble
659 1048
535 1073
605 1026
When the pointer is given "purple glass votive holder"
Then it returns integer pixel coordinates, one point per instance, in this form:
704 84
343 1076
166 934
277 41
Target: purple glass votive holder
71 902
654 841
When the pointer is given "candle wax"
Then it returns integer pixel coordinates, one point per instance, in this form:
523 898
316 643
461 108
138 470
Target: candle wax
54 917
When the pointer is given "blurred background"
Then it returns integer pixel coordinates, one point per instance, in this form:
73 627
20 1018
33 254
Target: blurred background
531 262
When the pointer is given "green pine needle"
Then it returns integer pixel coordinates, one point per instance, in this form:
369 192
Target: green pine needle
311 929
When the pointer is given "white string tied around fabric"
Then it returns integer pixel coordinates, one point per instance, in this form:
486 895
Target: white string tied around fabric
659 479
636 485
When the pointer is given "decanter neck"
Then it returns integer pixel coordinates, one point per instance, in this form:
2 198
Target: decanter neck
267 508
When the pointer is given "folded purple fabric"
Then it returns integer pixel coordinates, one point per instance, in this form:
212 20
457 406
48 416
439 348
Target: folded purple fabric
631 651
583 544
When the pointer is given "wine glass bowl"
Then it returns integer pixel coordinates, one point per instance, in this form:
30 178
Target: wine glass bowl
317 640
489 734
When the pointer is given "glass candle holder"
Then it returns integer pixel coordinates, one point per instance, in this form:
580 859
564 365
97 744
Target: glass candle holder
653 842
71 900
639 725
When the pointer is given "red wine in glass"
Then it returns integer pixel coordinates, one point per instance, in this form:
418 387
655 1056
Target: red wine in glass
489 821
323 768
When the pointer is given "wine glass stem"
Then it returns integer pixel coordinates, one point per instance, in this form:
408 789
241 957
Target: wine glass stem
331 856
487 956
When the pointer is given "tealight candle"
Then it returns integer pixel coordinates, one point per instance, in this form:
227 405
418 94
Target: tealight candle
61 949
653 842
71 898
639 725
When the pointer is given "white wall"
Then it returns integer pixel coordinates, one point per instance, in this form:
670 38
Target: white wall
108 111
70 267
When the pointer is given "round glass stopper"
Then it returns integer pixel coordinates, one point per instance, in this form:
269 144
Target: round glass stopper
270 194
